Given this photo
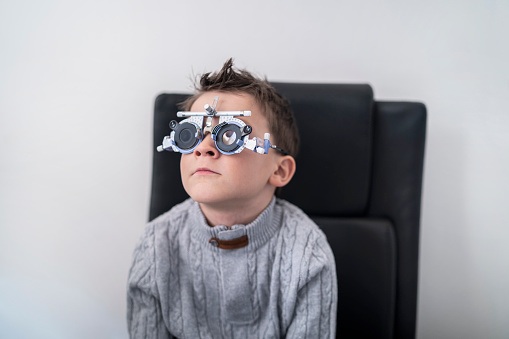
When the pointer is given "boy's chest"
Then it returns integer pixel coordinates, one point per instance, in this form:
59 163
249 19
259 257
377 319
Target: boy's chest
225 293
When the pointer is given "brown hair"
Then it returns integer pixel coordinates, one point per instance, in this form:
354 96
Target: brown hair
276 108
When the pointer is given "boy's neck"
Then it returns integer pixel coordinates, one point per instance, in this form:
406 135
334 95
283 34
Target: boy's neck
233 214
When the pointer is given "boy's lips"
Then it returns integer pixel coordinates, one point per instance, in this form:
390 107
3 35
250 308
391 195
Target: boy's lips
204 171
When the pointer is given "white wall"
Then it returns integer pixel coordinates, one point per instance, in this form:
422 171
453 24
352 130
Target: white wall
77 84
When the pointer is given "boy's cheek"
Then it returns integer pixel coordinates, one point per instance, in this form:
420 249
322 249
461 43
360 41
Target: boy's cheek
184 163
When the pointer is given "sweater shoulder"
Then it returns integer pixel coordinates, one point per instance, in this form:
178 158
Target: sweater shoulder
296 220
176 212
164 225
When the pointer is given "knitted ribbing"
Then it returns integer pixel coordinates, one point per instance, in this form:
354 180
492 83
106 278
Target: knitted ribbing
283 283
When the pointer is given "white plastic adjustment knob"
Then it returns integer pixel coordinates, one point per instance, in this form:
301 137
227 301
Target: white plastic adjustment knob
266 136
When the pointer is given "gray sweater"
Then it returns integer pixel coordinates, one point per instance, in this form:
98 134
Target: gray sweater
273 278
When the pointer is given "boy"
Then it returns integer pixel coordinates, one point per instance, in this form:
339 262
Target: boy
234 261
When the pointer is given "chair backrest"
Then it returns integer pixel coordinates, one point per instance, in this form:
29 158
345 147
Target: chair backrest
359 176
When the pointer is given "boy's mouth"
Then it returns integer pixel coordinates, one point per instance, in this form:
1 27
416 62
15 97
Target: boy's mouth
204 171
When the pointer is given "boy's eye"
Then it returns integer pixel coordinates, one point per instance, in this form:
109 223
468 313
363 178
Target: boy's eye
229 137
186 135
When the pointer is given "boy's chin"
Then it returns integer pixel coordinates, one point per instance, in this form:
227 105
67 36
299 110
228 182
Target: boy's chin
230 200
211 199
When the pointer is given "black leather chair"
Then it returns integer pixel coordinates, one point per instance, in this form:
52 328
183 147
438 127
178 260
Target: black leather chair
359 176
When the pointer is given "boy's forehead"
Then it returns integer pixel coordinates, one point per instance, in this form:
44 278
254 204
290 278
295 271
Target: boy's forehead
227 102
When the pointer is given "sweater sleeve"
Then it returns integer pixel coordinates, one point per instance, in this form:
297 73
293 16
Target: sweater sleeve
144 316
316 308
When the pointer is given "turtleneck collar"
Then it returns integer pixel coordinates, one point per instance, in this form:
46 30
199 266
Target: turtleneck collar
258 232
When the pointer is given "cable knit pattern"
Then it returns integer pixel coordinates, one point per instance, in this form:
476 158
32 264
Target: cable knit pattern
253 282
199 287
282 284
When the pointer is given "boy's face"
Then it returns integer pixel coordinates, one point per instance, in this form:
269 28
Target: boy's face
229 181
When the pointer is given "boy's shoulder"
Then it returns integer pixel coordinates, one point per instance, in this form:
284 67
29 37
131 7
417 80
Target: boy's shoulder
166 222
175 213
296 223
293 216
160 229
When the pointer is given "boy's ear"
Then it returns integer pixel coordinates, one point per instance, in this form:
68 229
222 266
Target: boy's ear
284 172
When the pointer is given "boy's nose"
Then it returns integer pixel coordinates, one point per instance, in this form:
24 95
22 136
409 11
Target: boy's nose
207 147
